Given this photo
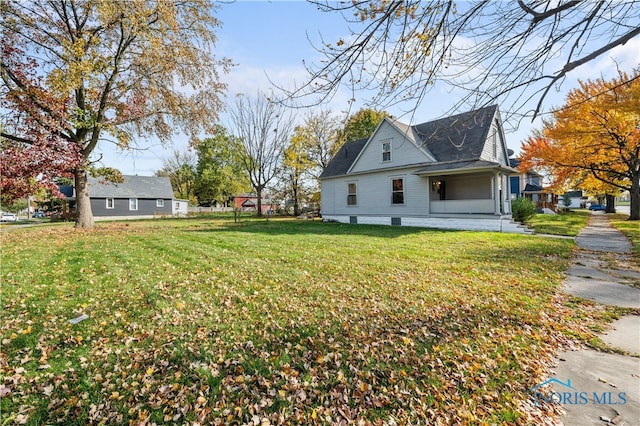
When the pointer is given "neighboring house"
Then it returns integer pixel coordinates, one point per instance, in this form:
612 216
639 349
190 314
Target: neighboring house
525 179
448 173
138 196
578 200
249 202
542 197
528 184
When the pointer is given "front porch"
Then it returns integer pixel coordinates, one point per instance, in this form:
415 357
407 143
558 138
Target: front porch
461 192
462 206
542 198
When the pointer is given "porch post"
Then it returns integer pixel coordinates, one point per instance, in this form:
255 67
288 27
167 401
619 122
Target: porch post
507 194
429 183
496 193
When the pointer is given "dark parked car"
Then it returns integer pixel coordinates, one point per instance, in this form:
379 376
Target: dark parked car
38 214
597 207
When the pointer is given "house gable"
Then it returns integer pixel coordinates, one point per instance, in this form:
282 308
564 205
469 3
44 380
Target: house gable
391 146
460 137
456 144
495 146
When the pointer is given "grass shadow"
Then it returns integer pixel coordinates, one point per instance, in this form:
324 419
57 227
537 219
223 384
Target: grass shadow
317 227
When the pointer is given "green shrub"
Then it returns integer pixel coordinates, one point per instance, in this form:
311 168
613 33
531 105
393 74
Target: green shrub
522 209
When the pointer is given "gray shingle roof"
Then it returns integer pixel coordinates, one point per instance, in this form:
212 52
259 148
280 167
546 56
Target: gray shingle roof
460 137
530 187
457 140
132 187
341 162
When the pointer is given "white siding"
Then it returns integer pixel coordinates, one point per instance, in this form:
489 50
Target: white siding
487 151
328 201
501 155
180 207
374 194
403 151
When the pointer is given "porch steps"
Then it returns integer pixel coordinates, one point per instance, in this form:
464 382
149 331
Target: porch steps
516 228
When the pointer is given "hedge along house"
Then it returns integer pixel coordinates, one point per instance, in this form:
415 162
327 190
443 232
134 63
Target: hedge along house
137 196
451 173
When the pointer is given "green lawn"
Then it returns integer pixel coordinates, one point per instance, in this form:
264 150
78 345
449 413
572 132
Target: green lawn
564 223
204 320
631 228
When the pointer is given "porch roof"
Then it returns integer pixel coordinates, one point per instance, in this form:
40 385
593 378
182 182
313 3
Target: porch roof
460 167
537 189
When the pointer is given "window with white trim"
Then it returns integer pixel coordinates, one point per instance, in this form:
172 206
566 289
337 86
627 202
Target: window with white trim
159 202
133 204
110 203
352 194
397 191
386 150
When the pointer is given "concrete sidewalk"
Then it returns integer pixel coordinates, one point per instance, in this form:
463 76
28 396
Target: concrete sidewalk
605 387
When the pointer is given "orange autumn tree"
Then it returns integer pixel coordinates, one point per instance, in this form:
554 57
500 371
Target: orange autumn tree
594 140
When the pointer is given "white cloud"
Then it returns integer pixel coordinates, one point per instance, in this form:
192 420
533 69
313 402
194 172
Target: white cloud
626 56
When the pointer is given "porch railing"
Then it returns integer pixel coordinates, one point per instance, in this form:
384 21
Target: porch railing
462 206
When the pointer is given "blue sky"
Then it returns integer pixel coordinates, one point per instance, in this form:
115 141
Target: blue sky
272 39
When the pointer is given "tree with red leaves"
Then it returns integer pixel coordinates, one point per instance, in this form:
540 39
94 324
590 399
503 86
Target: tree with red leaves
78 74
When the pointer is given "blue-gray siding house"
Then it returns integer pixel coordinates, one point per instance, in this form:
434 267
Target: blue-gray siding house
525 181
139 196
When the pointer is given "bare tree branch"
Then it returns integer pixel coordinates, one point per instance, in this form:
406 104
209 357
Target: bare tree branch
264 129
493 51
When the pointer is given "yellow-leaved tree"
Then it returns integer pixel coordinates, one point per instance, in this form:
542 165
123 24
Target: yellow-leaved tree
593 142
79 74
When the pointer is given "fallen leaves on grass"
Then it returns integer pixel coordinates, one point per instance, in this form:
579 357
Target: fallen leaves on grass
264 326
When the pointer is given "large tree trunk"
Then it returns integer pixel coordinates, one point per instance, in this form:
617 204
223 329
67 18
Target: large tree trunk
259 205
611 204
635 198
84 218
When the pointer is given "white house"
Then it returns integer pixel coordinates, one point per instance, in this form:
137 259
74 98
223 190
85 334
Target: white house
449 173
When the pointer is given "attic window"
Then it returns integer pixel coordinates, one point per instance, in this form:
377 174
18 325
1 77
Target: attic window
386 150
